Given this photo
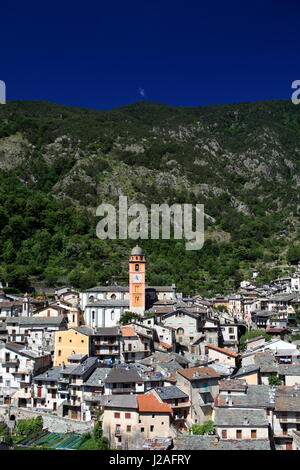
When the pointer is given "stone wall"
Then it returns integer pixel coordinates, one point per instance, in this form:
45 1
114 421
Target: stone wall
51 422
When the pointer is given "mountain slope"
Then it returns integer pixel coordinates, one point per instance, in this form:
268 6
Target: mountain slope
242 161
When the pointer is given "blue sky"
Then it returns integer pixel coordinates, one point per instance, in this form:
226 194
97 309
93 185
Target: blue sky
106 54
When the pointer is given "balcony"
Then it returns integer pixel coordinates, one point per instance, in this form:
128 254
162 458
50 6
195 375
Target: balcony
179 417
135 350
93 397
98 352
64 380
106 343
51 387
22 371
181 405
290 419
120 390
10 362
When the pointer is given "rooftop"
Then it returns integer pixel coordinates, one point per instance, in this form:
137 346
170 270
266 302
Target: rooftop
120 375
170 392
231 384
232 417
128 331
120 401
50 375
150 404
224 351
189 442
198 373
97 377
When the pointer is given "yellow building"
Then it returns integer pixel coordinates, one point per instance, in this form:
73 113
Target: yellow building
72 341
249 373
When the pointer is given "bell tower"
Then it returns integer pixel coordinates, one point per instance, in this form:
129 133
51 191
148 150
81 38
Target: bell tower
137 278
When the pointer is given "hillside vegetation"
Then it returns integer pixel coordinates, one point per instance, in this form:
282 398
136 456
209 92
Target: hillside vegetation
58 163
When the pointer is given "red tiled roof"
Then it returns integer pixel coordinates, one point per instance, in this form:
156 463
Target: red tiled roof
165 345
150 404
224 351
203 373
128 331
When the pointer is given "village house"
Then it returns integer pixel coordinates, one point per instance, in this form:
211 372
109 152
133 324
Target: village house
230 337
35 332
72 379
222 355
187 326
120 420
18 366
128 420
286 416
249 373
201 385
179 402
136 342
237 423
73 340
44 392
238 393
289 374
105 344
123 380
154 417
93 391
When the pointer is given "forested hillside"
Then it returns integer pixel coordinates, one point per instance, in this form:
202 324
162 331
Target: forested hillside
58 163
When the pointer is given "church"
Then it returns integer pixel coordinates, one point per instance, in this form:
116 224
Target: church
104 305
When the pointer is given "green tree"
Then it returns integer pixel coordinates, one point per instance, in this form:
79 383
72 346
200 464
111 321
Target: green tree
252 334
201 429
127 317
274 380
30 427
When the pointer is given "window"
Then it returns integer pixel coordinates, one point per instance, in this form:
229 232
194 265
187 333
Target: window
253 433
127 415
128 429
59 339
142 429
231 330
59 352
151 428
137 268
239 434
117 415
224 433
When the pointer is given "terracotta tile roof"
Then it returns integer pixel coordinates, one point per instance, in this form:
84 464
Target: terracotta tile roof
196 373
128 331
165 345
224 351
150 404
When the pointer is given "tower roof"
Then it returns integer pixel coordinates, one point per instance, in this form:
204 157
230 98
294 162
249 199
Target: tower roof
137 250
